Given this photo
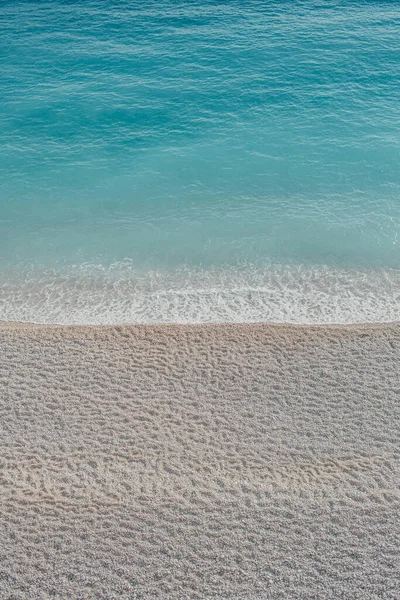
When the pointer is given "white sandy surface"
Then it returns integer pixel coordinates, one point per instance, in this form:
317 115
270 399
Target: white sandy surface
220 461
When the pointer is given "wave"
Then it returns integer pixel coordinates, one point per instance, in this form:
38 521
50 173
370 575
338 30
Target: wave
95 294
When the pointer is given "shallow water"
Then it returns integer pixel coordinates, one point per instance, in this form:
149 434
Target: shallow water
199 161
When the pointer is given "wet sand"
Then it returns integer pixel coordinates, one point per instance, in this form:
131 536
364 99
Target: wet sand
210 461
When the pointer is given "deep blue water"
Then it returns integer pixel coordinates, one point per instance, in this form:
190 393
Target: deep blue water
199 161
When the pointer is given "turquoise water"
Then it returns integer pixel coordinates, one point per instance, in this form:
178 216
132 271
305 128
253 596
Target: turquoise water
199 161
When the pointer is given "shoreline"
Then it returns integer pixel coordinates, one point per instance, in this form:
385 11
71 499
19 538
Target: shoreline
222 324
274 294
197 461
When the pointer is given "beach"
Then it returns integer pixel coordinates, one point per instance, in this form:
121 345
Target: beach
199 300
209 461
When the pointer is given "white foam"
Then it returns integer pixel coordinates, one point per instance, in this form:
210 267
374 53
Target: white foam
93 294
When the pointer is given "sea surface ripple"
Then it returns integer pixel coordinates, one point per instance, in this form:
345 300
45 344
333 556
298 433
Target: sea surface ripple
187 161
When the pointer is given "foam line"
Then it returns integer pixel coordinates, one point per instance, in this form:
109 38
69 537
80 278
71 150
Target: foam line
94 294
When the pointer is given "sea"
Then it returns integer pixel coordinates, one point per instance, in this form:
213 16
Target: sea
193 161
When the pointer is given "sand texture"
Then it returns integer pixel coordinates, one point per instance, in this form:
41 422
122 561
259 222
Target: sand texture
230 461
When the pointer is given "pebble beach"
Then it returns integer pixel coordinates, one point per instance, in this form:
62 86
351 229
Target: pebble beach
210 461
